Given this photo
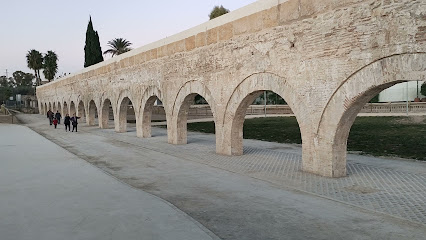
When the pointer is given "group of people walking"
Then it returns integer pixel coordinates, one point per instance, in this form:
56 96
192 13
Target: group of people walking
55 119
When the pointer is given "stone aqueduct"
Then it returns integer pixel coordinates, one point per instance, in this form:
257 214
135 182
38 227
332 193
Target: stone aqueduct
326 58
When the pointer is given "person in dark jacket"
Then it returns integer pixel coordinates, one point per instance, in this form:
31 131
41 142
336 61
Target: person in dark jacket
74 121
67 122
50 116
58 117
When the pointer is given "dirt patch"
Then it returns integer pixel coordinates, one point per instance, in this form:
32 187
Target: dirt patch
103 164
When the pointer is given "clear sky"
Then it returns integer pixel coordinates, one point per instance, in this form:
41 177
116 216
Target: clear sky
61 26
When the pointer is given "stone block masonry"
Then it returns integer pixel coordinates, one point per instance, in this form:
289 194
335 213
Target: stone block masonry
326 58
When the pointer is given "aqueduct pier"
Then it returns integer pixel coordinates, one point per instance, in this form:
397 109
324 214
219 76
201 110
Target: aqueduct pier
326 58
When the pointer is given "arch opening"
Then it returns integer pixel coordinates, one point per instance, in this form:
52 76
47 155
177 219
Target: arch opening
126 116
153 111
346 138
265 103
81 112
65 109
43 108
73 109
107 114
93 114
246 93
183 113
330 143
59 108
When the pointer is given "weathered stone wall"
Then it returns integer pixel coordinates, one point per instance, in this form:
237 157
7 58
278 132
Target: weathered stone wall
325 58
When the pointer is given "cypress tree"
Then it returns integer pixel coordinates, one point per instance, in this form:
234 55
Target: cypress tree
92 49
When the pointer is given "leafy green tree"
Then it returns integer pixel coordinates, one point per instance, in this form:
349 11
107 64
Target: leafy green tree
423 89
6 88
92 49
218 11
50 65
271 99
199 100
118 46
23 79
23 90
375 99
7 82
35 62
4 82
5 93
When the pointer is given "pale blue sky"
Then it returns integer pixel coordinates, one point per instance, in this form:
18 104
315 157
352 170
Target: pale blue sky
61 25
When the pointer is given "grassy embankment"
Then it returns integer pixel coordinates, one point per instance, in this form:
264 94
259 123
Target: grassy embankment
378 136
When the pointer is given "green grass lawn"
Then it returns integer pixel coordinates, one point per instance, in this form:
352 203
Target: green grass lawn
378 136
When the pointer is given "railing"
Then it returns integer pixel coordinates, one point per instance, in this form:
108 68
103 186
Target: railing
7 116
204 111
400 107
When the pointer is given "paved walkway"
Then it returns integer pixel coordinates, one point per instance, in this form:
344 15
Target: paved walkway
262 194
48 193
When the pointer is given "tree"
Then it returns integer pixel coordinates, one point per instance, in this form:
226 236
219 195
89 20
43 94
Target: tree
50 65
5 93
218 11
35 62
23 79
375 99
118 46
6 88
7 82
92 49
199 100
423 89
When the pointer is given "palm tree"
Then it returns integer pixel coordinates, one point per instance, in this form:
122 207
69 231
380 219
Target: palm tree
50 65
35 62
118 46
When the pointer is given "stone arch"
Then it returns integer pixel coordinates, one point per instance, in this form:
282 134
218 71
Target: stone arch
59 107
73 109
65 108
244 95
81 111
40 108
92 112
151 94
348 99
104 112
122 108
177 126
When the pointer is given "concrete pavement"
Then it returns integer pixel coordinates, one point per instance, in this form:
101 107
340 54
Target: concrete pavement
261 195
47 193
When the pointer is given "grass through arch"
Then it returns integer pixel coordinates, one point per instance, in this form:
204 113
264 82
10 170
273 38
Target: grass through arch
403 137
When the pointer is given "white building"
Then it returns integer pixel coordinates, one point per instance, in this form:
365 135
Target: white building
398 92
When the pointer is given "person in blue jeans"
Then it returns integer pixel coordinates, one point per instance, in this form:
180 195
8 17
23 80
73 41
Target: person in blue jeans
74 121
58 117
67 122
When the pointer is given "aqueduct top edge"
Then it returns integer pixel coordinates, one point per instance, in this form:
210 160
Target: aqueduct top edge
231 17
